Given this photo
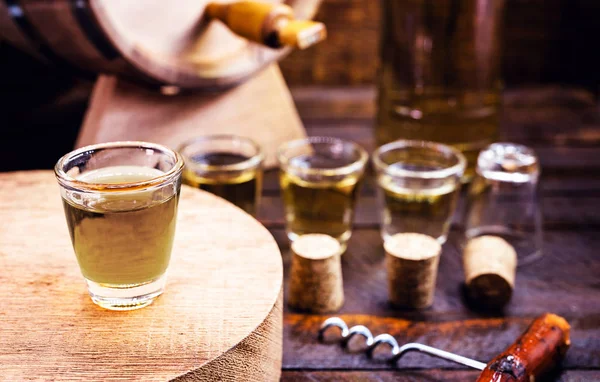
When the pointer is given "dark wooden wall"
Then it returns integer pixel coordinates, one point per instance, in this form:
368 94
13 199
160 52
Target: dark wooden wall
546 41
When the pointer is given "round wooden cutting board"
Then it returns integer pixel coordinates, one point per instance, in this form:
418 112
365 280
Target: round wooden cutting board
220 317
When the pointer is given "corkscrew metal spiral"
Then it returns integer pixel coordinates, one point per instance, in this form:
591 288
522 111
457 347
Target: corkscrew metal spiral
397 351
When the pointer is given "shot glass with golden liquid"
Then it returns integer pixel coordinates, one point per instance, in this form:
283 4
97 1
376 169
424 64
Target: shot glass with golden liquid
120 201
319 180
419 185
228 166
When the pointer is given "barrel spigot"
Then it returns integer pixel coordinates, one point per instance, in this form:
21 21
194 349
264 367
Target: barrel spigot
273 25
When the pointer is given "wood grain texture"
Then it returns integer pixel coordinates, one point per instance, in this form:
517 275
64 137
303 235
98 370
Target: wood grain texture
540 47
560 211
433 375
181 47
545 47
563 126
558 121
563 123
261 109
586 183
539 349
481 339
220 314
563 281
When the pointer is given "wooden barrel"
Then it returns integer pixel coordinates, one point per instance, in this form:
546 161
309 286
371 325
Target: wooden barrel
156 42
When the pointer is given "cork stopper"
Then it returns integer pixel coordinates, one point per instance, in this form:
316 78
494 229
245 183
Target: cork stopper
412 262
490 264
316 274
316 246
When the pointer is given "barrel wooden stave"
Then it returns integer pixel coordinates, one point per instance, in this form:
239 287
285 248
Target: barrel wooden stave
87 35
56 21
9 31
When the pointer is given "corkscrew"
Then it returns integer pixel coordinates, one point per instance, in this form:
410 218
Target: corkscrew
397 351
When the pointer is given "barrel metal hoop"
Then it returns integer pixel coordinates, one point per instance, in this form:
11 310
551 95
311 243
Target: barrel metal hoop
87 22
17 13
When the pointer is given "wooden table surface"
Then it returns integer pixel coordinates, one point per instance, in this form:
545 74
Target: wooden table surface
563 126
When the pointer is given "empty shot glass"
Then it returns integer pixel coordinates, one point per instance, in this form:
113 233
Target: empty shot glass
228 166
503 199
120 201
320 179
419 184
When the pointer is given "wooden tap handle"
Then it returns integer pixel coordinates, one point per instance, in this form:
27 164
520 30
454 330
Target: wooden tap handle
302 33
542 345
273 25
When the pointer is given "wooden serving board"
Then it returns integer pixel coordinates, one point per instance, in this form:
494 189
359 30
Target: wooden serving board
220 317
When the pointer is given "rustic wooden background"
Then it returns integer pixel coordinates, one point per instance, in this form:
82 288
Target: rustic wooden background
547 41
551 67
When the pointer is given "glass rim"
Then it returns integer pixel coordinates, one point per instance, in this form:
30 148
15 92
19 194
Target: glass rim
356 166
246 164
66 180
514 175
457 169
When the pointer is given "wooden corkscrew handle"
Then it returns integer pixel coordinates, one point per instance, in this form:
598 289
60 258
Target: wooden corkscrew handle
273 25
542 345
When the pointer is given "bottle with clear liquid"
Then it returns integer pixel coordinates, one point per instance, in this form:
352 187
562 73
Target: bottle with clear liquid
439 78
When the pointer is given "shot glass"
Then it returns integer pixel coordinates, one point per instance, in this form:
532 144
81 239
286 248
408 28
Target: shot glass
228 166
319 180
120 201
419 184
503 199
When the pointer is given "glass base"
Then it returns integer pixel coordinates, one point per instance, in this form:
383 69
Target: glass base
440 239
342 239
126 297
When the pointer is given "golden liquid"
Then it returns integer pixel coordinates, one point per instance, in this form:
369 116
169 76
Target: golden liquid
426 211
240 188
440 119
440 73
123 239
319 207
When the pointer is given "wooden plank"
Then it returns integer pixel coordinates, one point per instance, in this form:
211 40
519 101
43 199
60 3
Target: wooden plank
433 375
554 183
544 47
524 127
356 103
348 56
351 103
549 115
552 158
559 211
563 281
480 339
380 376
